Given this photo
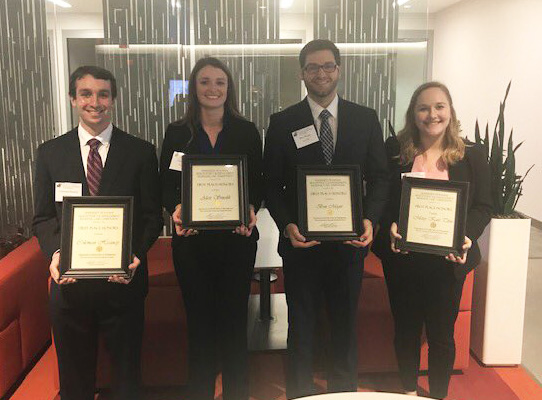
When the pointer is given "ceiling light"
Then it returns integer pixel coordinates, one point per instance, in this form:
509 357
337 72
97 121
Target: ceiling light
286 3
407 6
401 2
258 50
61 3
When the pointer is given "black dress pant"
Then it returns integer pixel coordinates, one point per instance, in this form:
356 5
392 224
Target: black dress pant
214 271
423 289
333 274
79 312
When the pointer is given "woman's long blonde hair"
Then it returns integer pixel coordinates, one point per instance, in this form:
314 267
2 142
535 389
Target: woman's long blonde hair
453 145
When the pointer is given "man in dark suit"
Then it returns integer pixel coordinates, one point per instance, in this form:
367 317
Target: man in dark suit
97 159
322 129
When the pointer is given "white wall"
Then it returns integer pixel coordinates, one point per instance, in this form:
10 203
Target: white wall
480 45
60 27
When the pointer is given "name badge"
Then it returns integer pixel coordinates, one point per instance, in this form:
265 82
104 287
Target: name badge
413 174
67 189
176 163
305 136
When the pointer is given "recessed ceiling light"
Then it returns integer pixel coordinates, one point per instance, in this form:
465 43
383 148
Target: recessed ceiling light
61 3
401 2
286 3
407 6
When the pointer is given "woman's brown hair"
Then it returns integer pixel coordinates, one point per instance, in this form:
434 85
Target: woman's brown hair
192 116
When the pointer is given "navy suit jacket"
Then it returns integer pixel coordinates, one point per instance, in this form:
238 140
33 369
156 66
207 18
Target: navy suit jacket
359 141
239 136
131 169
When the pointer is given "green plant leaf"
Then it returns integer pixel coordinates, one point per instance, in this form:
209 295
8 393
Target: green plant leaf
517 147
496 165
486 142
510 191
506 184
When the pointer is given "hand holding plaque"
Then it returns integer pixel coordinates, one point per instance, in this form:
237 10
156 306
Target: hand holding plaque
178 223
54 271
329 202
246 230
214 192
96 237
433 216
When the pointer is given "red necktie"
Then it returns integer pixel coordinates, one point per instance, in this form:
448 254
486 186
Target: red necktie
94 167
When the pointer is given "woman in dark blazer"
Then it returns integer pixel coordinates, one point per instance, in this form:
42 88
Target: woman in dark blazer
214 268
423 288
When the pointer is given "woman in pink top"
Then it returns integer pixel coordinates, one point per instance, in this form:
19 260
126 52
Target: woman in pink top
425 289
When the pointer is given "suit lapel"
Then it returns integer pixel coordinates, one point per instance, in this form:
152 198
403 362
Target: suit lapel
229 139
312 153
113 165
342 132
305 117
458 172
74 160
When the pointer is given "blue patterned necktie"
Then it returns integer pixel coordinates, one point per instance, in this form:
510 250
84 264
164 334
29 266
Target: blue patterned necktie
94 167
326 136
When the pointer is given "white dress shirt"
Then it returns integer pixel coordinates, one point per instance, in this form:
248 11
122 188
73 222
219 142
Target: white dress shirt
333 109
104 137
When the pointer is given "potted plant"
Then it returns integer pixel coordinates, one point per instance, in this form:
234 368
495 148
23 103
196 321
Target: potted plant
506 186
501 278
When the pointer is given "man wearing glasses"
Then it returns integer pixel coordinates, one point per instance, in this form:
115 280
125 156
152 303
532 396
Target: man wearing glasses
322 129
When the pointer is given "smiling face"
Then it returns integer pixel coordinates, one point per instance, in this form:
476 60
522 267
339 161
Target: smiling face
93 101
321 85
211 87
432 113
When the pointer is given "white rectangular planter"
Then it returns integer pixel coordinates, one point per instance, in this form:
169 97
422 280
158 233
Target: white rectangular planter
498 303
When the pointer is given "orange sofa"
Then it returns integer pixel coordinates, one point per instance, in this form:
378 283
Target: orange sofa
24 323
165 338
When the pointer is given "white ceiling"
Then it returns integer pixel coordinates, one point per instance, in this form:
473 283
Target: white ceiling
424 6
299 6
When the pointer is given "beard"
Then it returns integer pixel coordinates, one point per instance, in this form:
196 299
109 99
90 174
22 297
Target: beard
318 91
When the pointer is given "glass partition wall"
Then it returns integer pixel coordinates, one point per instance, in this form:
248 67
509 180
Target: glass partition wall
151 47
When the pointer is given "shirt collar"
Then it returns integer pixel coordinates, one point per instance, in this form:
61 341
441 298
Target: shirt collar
316 108
104 136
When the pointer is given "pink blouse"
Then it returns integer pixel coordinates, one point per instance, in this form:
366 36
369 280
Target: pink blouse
439 171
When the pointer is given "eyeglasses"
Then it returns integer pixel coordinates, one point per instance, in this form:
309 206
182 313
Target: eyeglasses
313 69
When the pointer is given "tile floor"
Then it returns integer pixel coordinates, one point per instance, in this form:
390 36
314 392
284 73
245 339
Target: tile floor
532 333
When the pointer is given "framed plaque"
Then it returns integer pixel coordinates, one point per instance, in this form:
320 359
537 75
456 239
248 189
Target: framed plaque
329 202
433 216
214 191
96 239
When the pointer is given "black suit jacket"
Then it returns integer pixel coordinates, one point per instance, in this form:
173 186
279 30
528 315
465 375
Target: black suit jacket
238 136
359 141
473 168
131 169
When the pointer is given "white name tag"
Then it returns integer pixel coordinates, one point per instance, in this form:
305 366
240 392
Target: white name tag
413 174
305 136
176 163
67 189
